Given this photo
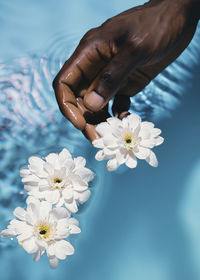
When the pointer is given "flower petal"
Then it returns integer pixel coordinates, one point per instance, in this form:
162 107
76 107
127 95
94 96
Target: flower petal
74 229
36 166
79 162
62 249
30 246
53 262
80 188
27 234
148 143
131 161
52 196
159 140
28 188
8 233
37 255
49 168
64 154
71 206
142 152
114 121
20 213
85 173
31 180
110 141
102 128
37 161
33 209
145 133
112 164
53 159
155 132
45 208
74 221
109 151
98 143
69 164
60 213
24 172
152 160
43 185
51 250
121 156
83 197
100 155
148 125
68 194
133 121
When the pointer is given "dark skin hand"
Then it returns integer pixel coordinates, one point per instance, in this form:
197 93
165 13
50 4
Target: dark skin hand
120 57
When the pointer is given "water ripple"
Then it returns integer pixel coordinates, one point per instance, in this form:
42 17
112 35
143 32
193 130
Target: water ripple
30 121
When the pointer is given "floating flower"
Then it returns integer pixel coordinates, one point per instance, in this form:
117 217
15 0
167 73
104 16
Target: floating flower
40 228
59 179
123 141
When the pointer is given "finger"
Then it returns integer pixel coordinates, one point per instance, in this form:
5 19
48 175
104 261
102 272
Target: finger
136 82
76 75
120 105
68 105
90 132
89 58
111 78
92 119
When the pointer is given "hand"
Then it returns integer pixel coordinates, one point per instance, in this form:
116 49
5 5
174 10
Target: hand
119 59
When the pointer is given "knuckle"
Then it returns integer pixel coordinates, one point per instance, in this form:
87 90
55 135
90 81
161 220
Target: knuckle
56 82
89 36
107 22
107 84
106 79
140 48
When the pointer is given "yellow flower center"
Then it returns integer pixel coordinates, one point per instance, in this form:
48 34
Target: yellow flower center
44 230
130 142
56 183
57 180
128 139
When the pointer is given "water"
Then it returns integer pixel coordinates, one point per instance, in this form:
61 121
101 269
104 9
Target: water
138 224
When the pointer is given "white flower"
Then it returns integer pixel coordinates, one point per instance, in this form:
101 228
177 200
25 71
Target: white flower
40 228
122 141
59 179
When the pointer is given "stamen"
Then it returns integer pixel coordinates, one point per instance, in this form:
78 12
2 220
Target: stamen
57 180
128 141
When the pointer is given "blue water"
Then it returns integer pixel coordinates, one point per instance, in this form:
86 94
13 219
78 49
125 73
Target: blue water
138 224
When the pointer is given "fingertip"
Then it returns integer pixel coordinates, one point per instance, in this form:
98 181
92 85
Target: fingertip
90 132
93 101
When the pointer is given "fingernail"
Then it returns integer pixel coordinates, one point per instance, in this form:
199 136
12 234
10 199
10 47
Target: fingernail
93 101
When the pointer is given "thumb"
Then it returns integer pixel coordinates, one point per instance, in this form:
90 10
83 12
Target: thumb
109 81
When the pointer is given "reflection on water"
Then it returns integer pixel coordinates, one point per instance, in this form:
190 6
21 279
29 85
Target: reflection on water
30 123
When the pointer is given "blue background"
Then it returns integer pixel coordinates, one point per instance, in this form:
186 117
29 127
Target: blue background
138 224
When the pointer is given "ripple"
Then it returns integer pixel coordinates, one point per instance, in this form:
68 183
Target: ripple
59 50
31 123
